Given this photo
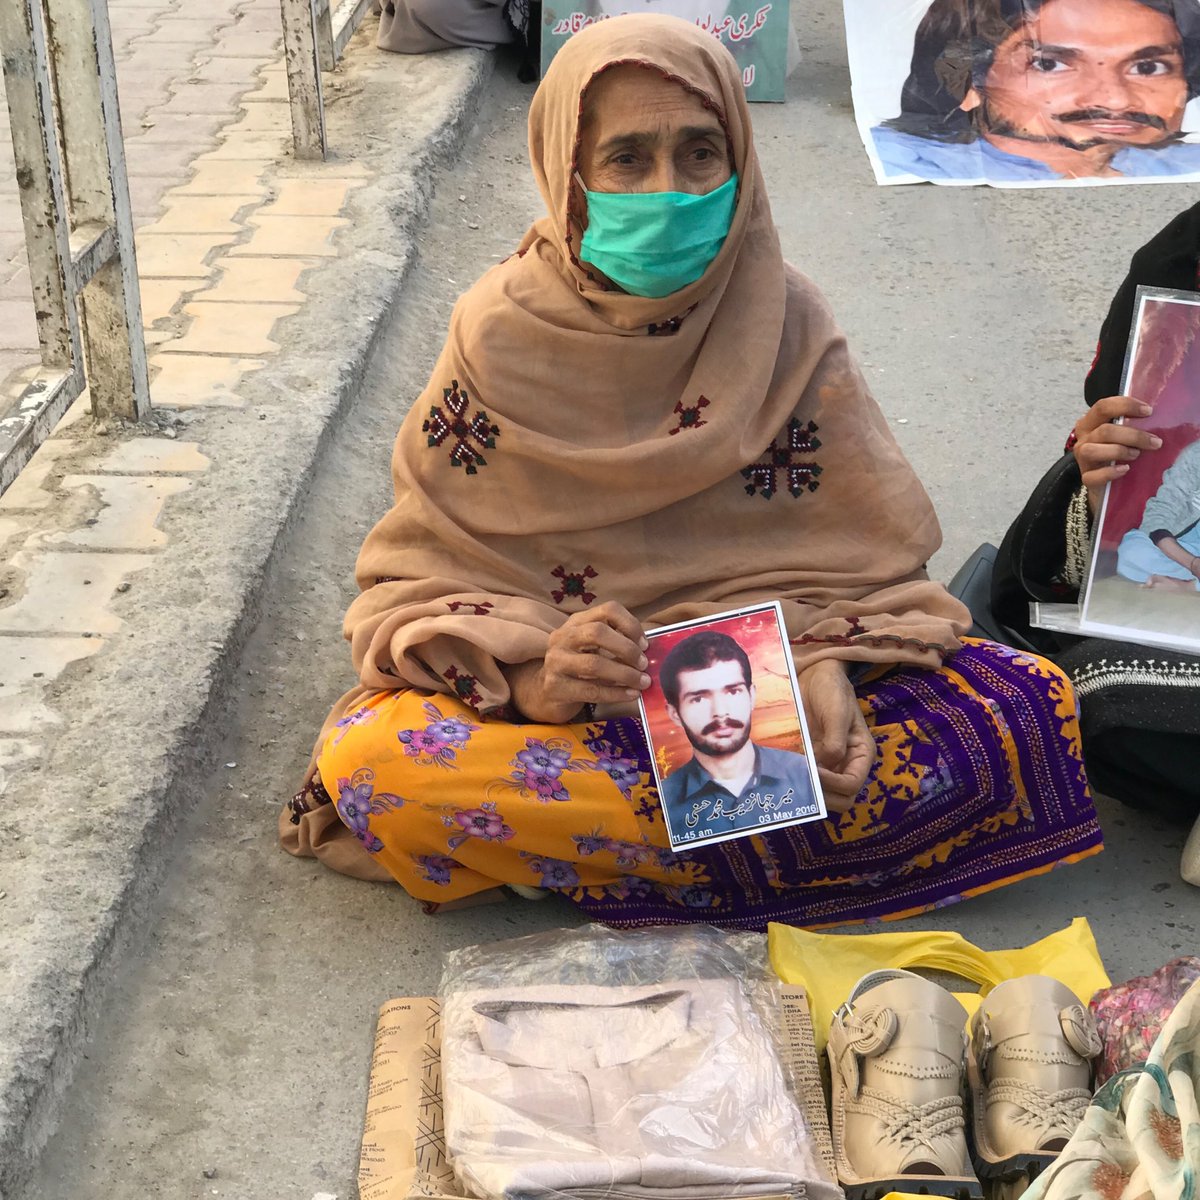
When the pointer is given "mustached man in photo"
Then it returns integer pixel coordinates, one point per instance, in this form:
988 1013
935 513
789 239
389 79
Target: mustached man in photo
730 782
1046 90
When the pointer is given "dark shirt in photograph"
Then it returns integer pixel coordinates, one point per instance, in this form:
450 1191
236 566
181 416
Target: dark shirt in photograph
698 807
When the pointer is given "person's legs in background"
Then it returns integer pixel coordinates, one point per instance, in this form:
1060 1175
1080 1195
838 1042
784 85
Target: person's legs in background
420 26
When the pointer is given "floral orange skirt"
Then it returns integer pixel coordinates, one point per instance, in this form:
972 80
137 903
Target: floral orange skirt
978 782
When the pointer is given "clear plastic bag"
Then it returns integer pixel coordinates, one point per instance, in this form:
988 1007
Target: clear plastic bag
597 1063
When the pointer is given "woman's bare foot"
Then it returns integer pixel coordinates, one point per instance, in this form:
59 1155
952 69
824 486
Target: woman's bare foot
1169 584
529 893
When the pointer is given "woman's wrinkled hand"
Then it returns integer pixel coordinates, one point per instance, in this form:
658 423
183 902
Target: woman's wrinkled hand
594 657
1104 450
841 743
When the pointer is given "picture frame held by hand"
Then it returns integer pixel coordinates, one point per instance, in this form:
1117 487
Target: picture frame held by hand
1143 584
726 728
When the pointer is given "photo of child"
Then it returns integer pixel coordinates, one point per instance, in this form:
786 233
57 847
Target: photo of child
1145 576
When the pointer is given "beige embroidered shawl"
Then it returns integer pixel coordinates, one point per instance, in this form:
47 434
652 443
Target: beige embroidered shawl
564 454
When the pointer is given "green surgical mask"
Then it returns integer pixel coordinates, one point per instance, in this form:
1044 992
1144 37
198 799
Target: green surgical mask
654 243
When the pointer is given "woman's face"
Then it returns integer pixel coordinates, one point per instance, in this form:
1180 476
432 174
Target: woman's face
643 133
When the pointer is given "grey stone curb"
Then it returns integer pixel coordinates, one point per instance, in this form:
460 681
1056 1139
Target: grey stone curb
86 835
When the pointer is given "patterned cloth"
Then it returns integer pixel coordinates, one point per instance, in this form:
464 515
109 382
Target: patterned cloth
978 782
1131 1015
1141 1134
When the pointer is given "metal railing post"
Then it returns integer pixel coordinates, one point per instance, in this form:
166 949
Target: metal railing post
315 33
346 18
323 18
304 78
98 193
30 95
60 81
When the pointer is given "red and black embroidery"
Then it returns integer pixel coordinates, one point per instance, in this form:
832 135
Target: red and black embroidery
469 435
574 585
671 326
666 329
477 610
311 796
689 418
466 687
801 441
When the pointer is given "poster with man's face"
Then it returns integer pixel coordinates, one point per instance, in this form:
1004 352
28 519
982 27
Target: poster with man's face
1027 93
754 31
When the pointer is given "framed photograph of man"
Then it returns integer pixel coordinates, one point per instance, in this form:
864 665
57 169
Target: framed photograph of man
1144 581
726 728
756 32
1031 93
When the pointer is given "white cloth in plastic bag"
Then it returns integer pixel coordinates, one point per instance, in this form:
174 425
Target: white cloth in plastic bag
670 1090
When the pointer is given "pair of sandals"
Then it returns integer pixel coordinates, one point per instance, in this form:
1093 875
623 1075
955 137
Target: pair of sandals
902 1055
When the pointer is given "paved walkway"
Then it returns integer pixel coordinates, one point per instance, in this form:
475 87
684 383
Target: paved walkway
182 70
221 253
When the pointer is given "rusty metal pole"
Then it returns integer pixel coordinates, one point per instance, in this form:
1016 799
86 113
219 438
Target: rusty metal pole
315 33
323 31
304 78
30 92
60 81
98 193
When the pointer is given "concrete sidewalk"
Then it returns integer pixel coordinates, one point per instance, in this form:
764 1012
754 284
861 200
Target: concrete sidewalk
133 560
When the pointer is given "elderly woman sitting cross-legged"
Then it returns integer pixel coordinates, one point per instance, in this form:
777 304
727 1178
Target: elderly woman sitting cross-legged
643 416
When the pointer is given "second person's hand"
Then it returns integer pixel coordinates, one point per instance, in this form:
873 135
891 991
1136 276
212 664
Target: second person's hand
1103 449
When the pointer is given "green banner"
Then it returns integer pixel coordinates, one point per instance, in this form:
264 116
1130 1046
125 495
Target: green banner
755 33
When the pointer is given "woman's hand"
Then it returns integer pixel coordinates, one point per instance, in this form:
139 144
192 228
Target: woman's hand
595 657
841 743
1104 450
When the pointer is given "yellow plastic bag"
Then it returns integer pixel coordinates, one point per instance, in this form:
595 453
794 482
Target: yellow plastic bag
828 965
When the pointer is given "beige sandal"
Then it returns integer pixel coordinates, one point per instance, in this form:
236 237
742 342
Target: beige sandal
896 1059
1029 1065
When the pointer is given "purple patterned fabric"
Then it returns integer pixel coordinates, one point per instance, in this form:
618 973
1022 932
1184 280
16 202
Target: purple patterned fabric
978 782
